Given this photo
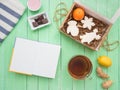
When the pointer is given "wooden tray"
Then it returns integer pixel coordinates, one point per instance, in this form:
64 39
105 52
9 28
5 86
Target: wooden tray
91 14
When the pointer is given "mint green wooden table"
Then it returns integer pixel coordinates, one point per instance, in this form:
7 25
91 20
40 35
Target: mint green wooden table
70 48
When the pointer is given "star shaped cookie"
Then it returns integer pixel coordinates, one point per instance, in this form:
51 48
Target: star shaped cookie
88 22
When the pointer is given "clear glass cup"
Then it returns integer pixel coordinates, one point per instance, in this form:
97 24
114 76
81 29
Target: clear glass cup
80 67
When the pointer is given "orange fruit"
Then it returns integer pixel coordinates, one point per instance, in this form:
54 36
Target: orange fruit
78 14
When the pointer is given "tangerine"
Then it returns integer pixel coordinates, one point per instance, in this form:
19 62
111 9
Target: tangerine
78 14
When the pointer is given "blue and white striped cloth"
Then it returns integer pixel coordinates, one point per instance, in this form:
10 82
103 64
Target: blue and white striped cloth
10 13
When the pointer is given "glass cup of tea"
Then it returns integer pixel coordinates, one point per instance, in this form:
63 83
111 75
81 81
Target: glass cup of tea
80 67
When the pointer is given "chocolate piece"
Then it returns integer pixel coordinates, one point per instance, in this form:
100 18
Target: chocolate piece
35 24
36 20
41 17
40 22
44 21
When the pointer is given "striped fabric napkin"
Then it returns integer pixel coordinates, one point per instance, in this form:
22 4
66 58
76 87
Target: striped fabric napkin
10 13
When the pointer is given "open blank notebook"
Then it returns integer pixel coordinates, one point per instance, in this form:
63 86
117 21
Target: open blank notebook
35 58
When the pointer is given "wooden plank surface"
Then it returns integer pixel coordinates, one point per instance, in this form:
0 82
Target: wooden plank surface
69 48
